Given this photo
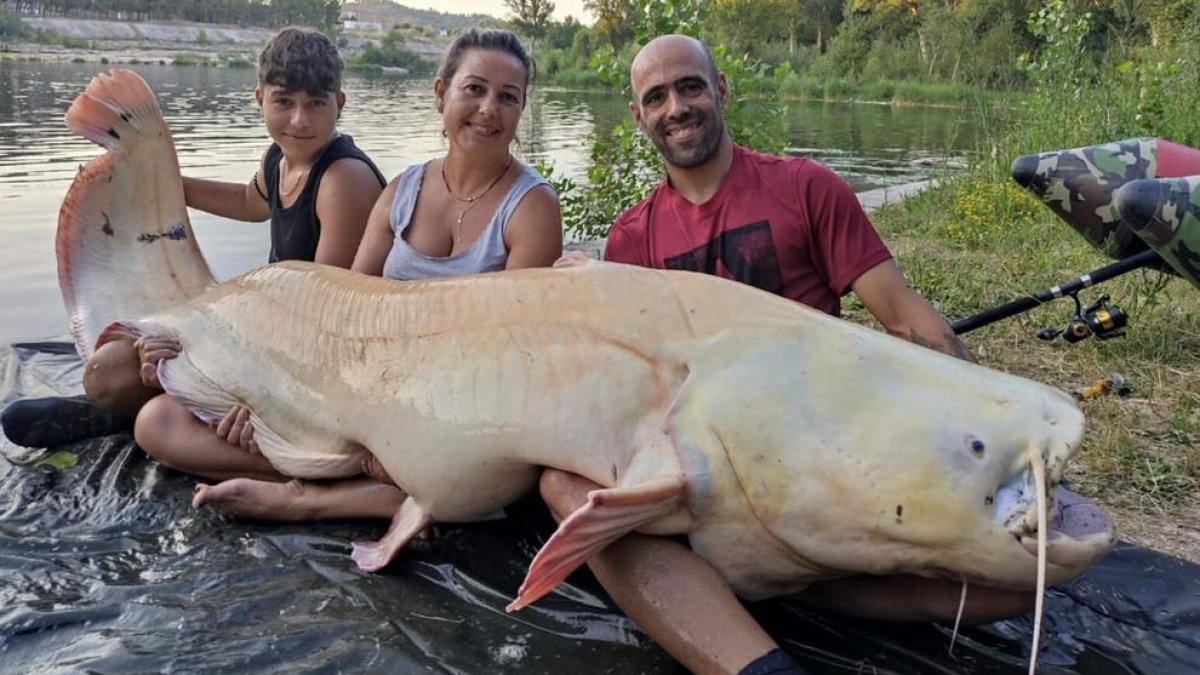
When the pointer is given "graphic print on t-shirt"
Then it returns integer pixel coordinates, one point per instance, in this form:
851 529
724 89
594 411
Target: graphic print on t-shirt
746 253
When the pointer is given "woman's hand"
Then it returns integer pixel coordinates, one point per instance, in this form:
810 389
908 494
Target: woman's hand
235 429
151 350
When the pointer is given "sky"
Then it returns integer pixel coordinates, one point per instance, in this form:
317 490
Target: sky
497 8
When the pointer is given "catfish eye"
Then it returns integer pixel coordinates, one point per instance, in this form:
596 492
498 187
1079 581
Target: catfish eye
976 445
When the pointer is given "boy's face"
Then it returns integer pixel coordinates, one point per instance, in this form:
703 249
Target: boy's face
300 123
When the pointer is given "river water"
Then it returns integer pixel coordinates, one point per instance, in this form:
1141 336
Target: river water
218 134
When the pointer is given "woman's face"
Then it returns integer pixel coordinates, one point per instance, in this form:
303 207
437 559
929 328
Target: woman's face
481 104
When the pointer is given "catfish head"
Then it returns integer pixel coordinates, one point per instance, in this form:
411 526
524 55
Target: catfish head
859 453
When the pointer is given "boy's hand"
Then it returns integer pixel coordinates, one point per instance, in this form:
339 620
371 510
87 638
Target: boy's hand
151 350
235 429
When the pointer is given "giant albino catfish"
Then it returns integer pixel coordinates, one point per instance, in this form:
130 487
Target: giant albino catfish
787 445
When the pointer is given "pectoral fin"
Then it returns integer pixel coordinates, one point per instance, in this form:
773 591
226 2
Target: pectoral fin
608 515
408 522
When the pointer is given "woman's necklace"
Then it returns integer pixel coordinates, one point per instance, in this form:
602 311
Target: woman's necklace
470 201
283 170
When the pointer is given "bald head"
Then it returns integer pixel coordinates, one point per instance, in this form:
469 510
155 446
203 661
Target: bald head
671 50
678 98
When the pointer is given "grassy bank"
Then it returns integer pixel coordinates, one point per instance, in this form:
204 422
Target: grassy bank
976 243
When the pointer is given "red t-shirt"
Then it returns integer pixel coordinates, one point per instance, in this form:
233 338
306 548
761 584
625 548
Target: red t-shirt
783 224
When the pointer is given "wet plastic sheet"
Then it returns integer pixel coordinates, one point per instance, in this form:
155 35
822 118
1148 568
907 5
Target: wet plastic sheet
105 568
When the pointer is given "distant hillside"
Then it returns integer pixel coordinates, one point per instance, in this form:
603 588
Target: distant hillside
389 14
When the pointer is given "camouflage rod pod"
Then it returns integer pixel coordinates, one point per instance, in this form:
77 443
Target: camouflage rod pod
1079 185
1165 213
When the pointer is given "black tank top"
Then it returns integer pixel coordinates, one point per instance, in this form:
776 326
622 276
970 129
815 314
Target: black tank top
296 229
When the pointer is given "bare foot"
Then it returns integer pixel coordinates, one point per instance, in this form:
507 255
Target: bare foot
258 499
300 500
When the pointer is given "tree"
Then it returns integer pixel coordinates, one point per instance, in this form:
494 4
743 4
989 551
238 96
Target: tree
532 18
562 35
614 19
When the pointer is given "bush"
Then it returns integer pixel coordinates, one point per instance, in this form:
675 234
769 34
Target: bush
11 25
893 61
984 211
877 91
391 52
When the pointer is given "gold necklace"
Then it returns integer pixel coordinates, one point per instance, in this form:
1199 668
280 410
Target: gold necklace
471 201
283 172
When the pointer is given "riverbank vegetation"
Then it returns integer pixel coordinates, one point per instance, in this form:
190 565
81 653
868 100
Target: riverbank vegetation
978 241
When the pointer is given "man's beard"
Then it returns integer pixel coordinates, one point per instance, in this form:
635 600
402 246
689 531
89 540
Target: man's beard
711 129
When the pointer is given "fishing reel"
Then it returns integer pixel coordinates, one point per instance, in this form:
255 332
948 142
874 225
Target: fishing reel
1100 319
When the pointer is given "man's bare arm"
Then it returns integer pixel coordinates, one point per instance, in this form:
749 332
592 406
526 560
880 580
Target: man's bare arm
904 313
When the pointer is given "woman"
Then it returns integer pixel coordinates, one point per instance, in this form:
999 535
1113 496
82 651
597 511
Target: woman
477 209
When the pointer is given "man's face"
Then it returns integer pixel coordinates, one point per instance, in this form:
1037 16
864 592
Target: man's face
677 104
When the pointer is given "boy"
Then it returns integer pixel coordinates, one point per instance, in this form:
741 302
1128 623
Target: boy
316 187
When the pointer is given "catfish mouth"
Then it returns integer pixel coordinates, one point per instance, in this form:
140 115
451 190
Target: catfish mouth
1077 530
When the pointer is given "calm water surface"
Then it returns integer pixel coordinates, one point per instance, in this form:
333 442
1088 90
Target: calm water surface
219 135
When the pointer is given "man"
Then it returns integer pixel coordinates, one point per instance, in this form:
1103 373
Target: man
789 226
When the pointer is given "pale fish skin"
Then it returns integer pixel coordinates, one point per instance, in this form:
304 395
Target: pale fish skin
789 446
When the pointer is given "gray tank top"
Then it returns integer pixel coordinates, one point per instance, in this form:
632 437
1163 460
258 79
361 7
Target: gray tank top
487 254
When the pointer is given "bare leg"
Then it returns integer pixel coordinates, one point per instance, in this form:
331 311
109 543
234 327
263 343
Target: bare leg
911 598
251 487
301 500
672 594
174 436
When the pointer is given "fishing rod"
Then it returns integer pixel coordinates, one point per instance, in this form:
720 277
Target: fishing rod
1100 319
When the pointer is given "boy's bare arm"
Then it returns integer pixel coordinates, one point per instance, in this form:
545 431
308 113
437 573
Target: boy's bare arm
348 191
231 200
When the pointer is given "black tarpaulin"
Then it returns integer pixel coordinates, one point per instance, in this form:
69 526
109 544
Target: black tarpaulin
105 568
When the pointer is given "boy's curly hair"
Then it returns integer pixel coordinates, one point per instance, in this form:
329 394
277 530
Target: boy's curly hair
301 59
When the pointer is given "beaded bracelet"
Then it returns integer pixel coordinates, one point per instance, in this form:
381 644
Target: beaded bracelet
256 187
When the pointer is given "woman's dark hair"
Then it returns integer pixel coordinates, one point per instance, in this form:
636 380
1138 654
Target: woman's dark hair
299 59
485 38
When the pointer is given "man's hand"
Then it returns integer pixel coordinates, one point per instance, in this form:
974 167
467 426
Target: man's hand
151 350
235 429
